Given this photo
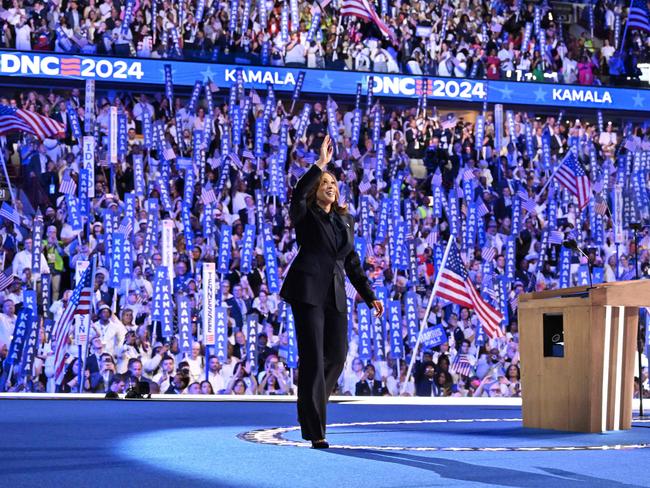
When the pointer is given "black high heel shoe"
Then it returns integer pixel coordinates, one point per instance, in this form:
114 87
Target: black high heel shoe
321 444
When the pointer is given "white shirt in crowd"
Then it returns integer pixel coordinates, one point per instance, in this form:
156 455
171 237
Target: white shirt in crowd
112 334
23 259
7 326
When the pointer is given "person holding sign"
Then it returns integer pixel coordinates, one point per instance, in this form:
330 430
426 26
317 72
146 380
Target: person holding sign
315 289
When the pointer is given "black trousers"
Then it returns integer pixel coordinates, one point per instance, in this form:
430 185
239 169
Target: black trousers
322 334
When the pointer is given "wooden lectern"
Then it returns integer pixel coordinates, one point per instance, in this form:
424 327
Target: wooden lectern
577 348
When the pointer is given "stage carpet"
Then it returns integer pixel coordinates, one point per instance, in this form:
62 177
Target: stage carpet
101 443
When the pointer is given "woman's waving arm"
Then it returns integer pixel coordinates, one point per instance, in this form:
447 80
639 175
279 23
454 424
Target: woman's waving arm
298 206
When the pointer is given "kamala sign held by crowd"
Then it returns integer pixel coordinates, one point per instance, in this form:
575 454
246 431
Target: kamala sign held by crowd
186 73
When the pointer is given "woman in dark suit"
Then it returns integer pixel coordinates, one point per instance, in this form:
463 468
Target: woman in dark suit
315 289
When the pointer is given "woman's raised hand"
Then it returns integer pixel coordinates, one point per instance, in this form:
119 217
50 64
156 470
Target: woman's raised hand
326 152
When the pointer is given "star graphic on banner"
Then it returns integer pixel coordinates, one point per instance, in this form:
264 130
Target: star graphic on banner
506 92
540 94
208 74
325 82
638 100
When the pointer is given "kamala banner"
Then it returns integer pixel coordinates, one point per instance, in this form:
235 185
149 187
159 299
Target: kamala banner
186 73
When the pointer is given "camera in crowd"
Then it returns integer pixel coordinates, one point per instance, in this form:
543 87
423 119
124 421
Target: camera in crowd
139 390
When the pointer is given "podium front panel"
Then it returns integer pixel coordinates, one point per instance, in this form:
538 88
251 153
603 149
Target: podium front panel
585 384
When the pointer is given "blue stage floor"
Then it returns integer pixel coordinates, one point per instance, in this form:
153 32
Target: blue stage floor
65 443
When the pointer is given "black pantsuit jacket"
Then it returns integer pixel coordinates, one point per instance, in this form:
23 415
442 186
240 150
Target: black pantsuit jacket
318 262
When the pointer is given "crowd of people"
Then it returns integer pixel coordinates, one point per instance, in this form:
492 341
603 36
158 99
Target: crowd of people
463 38
431 165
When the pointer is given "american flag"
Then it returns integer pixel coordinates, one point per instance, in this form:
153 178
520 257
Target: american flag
68 186
487 285
125 227
488 253
378 280
370 250
555 237
296 171
529 205
235 160
450 122
208 195
16 119
514 302
79 304
468 175
601 207
523 194
461 365
363 10
364 186
432 238
638 16
481 208
571 175
168 153
456 286
6 279
9 213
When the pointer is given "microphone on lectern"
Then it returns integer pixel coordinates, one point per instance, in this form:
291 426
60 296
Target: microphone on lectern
570 244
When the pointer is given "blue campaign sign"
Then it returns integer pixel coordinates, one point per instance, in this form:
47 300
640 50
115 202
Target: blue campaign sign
583 275
598 275
434 336
365 337
221 332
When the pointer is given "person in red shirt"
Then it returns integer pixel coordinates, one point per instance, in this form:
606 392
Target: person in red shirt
493 66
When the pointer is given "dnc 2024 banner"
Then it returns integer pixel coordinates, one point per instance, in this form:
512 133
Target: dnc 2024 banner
185 73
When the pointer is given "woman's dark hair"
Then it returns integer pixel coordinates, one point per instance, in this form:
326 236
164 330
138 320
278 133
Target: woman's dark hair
238 382
311 196
69 372
518 372
448 379
239 366
209 384
184 380
115 379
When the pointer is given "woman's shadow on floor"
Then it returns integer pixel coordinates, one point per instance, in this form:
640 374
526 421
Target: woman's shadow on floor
500 476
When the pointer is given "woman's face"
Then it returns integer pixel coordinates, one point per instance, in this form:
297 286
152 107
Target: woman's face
327 192
8 307
206 389
240 388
